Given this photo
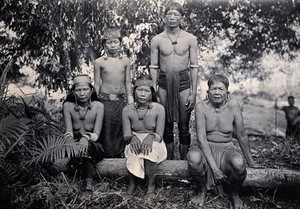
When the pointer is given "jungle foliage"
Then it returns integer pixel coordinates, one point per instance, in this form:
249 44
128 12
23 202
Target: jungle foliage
56 37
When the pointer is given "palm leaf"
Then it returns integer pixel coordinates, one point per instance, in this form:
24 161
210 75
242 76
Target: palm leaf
9 172
11 128
53 148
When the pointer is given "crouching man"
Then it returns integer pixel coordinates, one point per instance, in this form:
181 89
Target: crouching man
216 161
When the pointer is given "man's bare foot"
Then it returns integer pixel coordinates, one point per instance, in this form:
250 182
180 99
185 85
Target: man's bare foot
199 199
88 184
237 203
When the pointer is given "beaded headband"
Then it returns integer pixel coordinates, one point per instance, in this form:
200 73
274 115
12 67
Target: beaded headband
81 79
143 82
111 33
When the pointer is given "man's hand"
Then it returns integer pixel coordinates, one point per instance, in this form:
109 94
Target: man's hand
147 144
135 145
219 175
190 103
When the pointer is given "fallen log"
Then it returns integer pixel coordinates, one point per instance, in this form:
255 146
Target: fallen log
177 170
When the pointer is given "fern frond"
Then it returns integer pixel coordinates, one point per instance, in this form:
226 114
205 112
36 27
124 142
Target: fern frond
12 128
53 148
9 172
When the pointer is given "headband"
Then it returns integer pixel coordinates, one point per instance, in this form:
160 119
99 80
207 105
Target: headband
143 82
111 33
81 79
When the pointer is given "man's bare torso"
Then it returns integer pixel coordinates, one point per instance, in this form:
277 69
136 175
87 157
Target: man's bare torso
291 113
219 122
174 57
112 73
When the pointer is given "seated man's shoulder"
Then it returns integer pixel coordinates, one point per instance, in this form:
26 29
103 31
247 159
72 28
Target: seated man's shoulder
201 105
233 103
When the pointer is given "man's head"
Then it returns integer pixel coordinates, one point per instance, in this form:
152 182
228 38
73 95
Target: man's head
111 39
173 14
218 78
174 6
218 89
291 100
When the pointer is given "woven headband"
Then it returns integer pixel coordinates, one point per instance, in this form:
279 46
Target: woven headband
111 34
143 82
82 79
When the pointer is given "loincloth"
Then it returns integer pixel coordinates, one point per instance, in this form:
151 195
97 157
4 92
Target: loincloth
111 133
218 150
135 163
173 83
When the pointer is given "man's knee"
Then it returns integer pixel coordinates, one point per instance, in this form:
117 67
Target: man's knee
196 160
237 166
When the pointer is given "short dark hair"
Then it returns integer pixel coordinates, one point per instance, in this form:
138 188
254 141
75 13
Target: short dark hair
218 78
291 97
174 6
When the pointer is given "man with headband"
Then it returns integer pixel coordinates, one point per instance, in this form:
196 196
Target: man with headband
174 72
143 126
113 86
83 117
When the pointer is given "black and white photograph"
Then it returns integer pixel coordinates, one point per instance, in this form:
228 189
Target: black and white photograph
149 104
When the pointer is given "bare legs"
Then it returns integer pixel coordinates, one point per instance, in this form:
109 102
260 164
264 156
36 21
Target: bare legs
150 172
233 166
198 169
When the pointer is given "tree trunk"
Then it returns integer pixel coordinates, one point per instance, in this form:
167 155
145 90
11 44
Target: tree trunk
178 170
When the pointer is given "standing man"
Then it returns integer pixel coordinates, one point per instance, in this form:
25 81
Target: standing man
292 116
174 72
113 86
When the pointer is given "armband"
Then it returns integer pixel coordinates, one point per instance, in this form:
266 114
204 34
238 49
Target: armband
153 66
92 136
157 137
194 66
68 134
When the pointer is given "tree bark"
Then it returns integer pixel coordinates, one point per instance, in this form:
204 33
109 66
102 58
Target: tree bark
178 170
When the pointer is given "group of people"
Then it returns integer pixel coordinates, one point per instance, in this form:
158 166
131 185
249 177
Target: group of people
111 119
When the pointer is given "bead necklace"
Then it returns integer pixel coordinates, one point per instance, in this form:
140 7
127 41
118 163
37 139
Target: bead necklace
174 42
149 106
82 117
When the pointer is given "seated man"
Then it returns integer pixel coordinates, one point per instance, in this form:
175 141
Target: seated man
216 160
83 116
143 126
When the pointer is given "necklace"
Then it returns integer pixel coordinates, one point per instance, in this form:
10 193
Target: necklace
143 116
175 41
82 117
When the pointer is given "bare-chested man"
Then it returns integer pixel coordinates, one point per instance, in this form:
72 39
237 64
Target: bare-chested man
174 72
113 85
83 117
143 127
292 116
216 160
